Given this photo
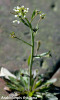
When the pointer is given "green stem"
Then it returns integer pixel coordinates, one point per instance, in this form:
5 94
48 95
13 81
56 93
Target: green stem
23 41
31 61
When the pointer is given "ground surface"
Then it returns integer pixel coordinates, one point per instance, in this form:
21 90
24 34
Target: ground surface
14 54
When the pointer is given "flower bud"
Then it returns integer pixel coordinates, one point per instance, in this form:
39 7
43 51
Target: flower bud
42 16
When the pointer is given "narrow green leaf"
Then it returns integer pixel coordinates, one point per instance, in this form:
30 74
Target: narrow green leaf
33 14
29 60
38 83
16 82
51 81
51 96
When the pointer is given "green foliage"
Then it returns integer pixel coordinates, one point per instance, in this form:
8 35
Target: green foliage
40 87
33 14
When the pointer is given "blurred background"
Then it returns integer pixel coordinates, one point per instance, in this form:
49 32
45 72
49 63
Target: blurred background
14 53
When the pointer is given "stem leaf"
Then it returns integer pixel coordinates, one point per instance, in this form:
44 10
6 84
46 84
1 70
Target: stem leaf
33 14
29 60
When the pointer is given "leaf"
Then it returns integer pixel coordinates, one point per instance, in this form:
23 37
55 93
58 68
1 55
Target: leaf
38 84
25 81
33 14
45 86
30 94
42 88
29 60
25 77
16 82
50 96
13 84
11 87
39 95
51 81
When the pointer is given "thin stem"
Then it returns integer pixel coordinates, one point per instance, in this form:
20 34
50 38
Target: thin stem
39 21
29 23
23 41
31 61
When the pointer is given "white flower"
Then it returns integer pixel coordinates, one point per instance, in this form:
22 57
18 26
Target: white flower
25 11
22 6
14 21
16 10
5 73
18 22
19 14
24 16
18 7
42 16
16 15
27 8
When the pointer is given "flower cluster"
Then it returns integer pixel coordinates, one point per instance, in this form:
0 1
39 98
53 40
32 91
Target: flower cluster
20 12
